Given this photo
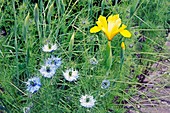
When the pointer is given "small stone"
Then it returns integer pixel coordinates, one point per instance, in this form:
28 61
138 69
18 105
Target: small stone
138 106
156 88
167 43
164 68
163 102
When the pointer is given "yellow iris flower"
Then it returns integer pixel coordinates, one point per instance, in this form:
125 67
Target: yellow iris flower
110 27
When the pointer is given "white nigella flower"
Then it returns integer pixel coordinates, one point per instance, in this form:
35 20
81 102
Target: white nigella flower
70 75
105 84
49 47
55 61
33 84
93 61
87 101
47 70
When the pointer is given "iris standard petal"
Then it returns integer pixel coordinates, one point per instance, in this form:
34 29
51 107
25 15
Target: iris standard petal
114 23
125 33
102 21
113 34
95 29
113 17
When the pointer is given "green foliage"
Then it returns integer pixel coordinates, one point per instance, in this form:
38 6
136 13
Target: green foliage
30 25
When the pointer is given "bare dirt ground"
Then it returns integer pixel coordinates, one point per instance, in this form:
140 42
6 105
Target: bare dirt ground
155 96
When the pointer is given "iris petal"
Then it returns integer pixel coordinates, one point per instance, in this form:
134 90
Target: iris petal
123 27
103 21
113 17
114 23
126 33
95 29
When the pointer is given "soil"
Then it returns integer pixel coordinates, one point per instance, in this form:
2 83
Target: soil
155 96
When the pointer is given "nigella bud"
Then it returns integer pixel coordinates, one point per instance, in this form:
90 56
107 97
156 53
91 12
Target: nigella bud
50 10
71 44
26 23
36 14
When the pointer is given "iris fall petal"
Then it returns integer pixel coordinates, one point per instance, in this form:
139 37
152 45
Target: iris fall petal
125 33
95 29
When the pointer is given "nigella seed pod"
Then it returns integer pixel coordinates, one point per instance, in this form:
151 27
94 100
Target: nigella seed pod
49 14
142 39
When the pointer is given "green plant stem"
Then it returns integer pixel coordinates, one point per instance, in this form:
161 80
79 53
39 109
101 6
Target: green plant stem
108 57
16 42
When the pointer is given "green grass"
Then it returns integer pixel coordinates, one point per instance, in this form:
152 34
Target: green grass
21 54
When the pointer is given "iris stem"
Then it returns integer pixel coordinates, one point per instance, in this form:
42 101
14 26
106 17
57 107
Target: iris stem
108 56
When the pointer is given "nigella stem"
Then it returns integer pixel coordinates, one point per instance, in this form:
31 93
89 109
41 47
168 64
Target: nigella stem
16 42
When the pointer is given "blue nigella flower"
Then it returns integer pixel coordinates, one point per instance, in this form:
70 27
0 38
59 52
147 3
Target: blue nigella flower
33 84
105 84
47 70
54 61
